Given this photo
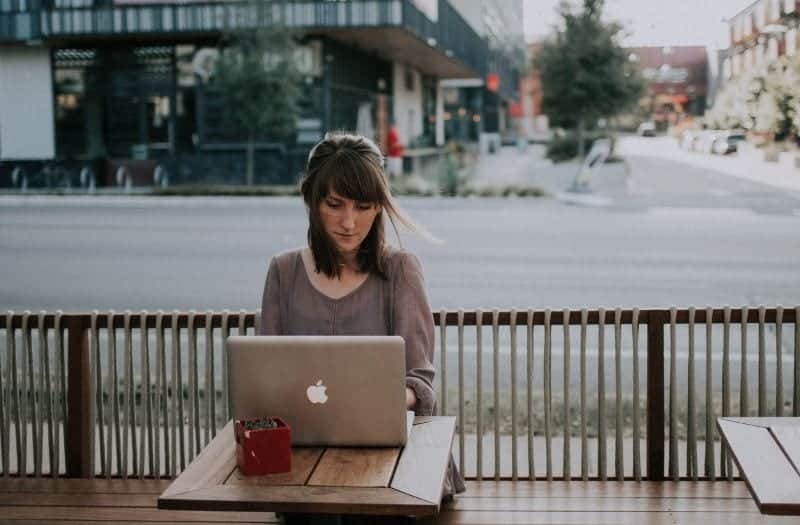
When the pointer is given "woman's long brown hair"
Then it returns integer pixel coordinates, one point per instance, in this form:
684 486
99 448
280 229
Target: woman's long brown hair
352 166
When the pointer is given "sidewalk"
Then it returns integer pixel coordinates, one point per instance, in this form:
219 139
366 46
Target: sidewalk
511 167
747 164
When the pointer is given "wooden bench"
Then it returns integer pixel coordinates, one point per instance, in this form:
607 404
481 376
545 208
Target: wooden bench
30 501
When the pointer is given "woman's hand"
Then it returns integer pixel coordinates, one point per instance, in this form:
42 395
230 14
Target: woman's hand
411 398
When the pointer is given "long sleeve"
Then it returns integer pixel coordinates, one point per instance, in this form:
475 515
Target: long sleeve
413 321
270 302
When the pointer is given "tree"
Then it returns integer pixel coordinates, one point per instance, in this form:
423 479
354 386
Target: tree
585 73
765 100
256 77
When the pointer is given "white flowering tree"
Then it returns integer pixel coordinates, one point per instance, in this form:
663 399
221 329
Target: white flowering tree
765 101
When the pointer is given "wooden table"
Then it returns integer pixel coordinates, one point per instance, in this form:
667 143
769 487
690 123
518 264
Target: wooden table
767 452
386 481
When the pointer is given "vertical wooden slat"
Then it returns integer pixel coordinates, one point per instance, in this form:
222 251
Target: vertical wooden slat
147 409
637 455
762 362
709 441
37 388
114 436
744 409
619 459
529 392
5 398
14 401
584 438
655 395
479 389
779 361
161 412
565 467
461 420
725 461
442 409
601 395
60 402
691 438
97 371
178 448
45 396
513 330
194 396
496 384
796 375
674 468
129 424
548 389
211 419
226 400
27 387
79 399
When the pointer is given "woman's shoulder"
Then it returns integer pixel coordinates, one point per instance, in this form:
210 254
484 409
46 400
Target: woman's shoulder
400 261
285 260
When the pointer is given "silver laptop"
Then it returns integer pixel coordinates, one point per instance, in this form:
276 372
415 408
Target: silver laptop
331 390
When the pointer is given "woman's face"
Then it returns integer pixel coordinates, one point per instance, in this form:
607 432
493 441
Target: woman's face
347 222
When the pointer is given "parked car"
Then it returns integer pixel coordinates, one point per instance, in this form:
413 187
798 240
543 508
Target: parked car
726 142
646 129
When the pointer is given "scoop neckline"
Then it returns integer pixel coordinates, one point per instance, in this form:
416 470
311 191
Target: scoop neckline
320 292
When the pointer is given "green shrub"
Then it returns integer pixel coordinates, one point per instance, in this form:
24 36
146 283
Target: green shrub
564 148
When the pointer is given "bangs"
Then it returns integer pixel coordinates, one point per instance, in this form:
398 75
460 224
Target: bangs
353 177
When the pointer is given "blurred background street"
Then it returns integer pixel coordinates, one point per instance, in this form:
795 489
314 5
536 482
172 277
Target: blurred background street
668 233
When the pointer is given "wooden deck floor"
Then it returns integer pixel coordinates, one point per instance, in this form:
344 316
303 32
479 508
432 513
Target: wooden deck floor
488 502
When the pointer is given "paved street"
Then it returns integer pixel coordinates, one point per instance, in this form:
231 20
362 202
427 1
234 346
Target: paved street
672 234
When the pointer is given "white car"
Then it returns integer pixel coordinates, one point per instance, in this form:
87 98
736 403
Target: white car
646 129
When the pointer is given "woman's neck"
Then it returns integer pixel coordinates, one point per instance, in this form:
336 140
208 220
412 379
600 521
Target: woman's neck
349 261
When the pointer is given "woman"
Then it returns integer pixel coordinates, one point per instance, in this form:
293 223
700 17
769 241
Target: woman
348 281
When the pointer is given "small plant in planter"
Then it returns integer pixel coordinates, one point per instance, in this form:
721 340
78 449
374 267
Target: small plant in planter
262 422
263 446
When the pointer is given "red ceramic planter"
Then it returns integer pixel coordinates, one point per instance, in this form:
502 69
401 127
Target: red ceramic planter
263 450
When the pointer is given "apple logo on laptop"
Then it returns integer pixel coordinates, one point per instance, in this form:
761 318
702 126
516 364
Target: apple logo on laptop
316 393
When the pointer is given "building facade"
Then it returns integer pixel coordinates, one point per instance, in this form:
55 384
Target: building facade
676 82
480 108
762 32
122 85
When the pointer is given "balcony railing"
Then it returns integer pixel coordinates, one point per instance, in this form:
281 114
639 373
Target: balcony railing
140 394
450 34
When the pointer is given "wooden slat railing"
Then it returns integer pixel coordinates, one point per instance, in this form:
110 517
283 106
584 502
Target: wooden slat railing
159 404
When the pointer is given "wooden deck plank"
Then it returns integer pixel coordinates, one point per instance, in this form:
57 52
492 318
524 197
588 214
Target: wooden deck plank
603 504
96 485
355 467
105 522
773 481
423 462
120 514
602 489
487 502
303 462
211 467
78 500
605 518
550 518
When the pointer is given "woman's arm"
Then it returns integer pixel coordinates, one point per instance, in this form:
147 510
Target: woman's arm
413 321
270 302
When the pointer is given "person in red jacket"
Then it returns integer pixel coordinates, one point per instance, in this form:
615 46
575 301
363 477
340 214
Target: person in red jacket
394 157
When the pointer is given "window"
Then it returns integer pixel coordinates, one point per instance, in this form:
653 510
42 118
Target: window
409 80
